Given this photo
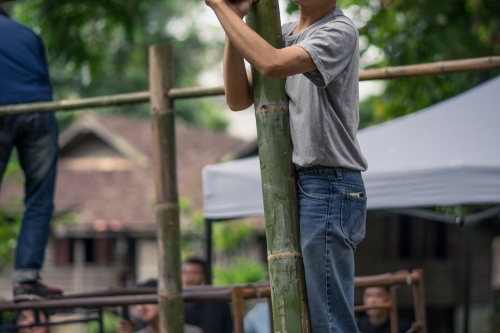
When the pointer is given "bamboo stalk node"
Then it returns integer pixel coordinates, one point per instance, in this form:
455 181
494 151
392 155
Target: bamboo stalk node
166 206
284 255
155 111
266 109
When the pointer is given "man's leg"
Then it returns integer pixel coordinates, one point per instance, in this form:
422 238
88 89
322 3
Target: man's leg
38 152
7 133
331 224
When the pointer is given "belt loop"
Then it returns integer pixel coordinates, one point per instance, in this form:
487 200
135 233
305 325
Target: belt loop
338 172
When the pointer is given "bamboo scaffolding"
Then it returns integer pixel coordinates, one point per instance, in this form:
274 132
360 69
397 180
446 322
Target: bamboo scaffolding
171 309
279 186
435 68
199 294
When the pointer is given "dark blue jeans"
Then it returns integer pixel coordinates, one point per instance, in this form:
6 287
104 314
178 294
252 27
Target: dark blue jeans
35 137
332 206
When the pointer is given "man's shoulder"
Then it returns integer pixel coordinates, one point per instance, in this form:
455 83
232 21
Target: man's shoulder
338 21
12 25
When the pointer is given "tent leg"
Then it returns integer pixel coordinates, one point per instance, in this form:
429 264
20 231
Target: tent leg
208 248
467 275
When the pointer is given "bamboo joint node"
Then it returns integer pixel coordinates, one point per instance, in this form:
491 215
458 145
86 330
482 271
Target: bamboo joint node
284 255
270 109
166 206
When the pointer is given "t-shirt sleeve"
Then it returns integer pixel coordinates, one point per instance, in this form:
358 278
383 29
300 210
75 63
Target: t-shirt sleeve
331 48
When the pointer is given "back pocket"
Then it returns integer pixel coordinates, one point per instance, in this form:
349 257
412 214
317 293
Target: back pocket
353 218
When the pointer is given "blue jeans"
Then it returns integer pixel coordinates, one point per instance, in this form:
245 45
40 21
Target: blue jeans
35 137
332 206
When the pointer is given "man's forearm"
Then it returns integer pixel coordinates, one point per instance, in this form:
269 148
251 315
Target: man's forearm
249 44
239 94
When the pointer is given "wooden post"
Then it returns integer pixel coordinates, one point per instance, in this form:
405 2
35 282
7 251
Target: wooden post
393 312
167 203
419 300
238 309
279 184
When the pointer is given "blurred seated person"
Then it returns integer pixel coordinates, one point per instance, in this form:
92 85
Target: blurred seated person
258 319
377 320
212 317
148 313
28 317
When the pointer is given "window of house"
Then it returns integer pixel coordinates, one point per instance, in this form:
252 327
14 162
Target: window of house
94 250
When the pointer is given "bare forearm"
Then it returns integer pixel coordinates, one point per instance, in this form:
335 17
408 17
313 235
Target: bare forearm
247 42
238 89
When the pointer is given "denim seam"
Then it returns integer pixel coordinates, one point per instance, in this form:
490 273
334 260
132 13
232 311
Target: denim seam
349 185
327 275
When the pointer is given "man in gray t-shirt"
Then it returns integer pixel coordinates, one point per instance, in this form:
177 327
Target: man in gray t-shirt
323 105
320 63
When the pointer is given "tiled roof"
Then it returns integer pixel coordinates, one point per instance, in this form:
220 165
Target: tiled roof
123 200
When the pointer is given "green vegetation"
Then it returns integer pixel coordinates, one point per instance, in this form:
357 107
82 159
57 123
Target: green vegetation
242 271
110 322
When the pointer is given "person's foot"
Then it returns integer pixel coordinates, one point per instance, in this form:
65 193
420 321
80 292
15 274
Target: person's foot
34 290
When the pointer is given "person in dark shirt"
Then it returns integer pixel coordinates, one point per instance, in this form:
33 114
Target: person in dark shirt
377 320
212 317
24 78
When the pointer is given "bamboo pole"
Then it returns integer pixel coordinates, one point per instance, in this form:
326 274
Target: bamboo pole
435 68
286 271
167 203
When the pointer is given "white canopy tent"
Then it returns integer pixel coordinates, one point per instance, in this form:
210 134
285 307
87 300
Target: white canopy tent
447 154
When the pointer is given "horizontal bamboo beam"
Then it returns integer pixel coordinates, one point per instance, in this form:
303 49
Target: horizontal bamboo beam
193 294
362 308
67 105
434 68
224 294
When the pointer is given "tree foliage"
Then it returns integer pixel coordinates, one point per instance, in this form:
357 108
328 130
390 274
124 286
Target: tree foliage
100 47
398 32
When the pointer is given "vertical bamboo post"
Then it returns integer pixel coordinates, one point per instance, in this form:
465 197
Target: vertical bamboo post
279 187
238 309
393 312
167 204
419 300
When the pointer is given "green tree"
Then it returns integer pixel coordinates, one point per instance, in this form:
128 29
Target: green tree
398 32
99 48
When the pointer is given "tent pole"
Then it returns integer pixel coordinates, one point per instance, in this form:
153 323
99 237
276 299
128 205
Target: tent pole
279 184
467 275
208 248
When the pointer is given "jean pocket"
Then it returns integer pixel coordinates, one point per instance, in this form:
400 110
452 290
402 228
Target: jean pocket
353 217
314 188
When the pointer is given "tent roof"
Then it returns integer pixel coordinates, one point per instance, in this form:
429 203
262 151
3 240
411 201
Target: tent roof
447 154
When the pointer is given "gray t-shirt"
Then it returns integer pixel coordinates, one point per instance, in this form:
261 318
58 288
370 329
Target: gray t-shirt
324 104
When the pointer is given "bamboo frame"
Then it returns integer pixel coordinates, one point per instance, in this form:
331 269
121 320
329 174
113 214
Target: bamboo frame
434 68
167 202
236 294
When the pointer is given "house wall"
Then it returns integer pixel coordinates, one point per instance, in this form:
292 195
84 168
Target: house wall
69 277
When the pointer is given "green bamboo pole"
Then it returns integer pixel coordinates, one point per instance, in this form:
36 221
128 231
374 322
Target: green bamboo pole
286 271
167 203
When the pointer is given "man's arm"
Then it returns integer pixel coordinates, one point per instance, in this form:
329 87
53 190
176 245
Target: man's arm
237 81
272 63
